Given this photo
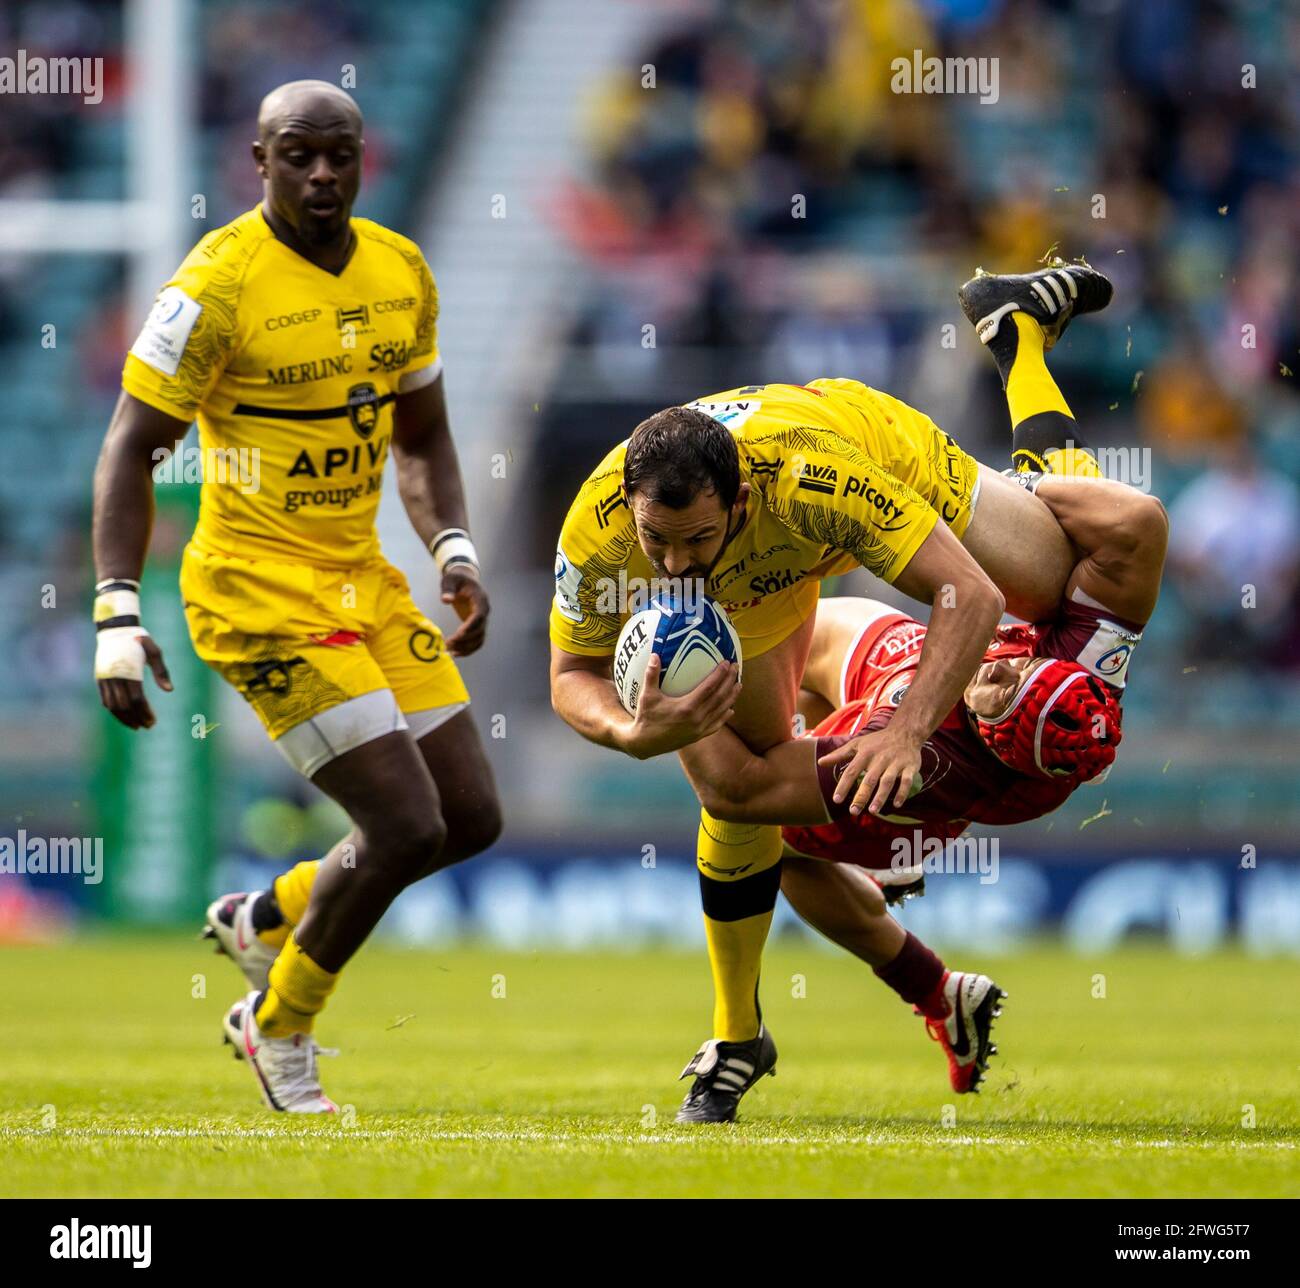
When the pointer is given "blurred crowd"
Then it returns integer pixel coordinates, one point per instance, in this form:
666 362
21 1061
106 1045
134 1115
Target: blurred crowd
757 187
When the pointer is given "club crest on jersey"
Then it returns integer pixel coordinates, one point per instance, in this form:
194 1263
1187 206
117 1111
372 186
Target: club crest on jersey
363 409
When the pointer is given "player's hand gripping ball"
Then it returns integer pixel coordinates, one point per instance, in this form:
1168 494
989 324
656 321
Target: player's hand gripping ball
690 639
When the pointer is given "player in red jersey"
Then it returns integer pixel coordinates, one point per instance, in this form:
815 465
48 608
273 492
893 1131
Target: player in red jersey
1040 717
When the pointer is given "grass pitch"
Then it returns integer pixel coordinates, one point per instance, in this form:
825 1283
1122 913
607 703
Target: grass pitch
114 1082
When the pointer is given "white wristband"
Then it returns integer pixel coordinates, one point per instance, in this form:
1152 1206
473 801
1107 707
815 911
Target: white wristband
110 604
452 545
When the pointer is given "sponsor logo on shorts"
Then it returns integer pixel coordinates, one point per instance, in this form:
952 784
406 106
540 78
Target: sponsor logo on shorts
275 675
425 646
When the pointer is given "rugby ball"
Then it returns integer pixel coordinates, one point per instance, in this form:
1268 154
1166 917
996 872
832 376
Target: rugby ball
690 639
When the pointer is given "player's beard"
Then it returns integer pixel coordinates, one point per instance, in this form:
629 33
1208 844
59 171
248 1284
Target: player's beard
727 538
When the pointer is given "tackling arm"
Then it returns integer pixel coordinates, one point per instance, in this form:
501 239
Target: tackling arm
965 608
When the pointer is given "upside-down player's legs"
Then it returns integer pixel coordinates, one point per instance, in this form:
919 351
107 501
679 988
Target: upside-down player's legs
1016 540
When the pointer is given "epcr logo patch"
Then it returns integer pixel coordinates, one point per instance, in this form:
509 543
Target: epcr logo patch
567 581
1113 660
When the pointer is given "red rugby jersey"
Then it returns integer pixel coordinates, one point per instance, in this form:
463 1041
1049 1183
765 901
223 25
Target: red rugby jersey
962 782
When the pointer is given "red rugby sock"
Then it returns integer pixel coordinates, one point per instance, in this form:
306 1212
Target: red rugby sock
916 975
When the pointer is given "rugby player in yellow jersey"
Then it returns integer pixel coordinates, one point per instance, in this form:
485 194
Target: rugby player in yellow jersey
305 340
760 493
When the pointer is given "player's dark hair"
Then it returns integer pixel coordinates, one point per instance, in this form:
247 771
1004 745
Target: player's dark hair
678 453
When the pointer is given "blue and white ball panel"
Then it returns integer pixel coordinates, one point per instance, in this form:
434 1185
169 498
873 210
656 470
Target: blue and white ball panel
690 644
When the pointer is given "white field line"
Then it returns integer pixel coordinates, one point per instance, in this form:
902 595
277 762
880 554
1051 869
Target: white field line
604 1137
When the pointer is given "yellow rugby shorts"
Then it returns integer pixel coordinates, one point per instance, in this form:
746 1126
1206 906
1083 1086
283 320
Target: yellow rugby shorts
296 640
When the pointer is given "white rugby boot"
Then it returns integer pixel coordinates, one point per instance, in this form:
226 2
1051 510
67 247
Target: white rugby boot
285 1067
229 921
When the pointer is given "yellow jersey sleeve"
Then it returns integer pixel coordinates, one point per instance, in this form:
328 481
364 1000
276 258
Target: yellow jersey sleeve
425 357
189 335
828 490
596 542
422 364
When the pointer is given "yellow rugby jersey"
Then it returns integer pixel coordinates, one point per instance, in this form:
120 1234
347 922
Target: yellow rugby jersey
840 475
291 372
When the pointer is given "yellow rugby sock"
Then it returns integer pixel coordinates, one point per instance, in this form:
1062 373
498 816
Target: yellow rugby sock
740 878
1044 435
1030 387
293 890
297 990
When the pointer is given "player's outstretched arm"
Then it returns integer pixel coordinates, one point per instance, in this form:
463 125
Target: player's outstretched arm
583 696
1122 535
737 785
137 437
965 608
429 482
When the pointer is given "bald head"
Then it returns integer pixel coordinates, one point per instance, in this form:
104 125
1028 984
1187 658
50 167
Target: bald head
308 153
311 103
